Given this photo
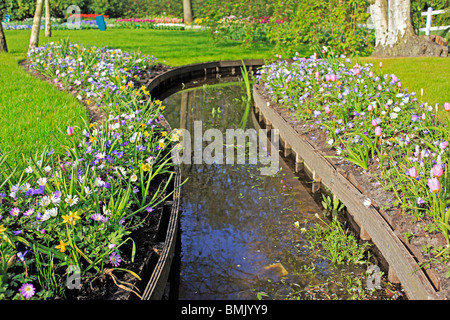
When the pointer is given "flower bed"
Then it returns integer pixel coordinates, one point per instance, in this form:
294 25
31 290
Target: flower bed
386 133
78 211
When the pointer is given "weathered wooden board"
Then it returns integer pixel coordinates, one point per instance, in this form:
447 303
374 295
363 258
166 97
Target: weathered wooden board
401 261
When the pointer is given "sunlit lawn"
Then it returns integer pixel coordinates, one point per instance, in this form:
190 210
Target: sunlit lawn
32 111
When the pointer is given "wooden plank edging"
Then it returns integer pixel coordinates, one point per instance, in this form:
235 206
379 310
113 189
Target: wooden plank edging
413 279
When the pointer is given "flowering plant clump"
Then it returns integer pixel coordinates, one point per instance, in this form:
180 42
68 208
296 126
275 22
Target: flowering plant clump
373 122
78 209
101 76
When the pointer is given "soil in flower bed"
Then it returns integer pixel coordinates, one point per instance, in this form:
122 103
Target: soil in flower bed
382 200
148 238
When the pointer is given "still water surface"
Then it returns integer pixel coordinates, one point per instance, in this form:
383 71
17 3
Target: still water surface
238 237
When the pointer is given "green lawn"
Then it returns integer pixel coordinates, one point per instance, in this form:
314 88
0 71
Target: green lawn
31 111
171 47
430 74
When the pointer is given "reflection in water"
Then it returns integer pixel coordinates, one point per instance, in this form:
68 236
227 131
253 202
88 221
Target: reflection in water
237 226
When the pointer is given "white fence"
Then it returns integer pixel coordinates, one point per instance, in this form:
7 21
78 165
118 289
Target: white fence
429 14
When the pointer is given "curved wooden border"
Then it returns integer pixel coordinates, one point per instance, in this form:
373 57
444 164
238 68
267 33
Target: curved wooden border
158 88
371 221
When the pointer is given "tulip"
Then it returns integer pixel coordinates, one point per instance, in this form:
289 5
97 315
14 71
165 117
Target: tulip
434 185
413 172
424 116
333 77
327 109
371 74
369 107
447 106
378 131
70 131
380 87
437 170
443 145
374 122
381 65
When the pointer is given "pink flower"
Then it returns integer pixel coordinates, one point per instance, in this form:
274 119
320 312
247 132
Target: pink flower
378 131
333 77
434 185
413 172
369 107
327 109
27 290
381 65
380 87
437 170
447 106
424 116
443 145
371 74
70 131
374 122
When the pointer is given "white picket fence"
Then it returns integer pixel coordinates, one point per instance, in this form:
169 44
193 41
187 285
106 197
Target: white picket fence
429 14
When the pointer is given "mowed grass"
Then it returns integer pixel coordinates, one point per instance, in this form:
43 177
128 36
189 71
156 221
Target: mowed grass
172 47
430 75
32 111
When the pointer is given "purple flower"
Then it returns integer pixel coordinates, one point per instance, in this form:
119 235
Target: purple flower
27 290
115 259
140 148
14 212
98 217
419 200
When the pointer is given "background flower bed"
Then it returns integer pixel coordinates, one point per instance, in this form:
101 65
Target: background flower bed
376 125
78 209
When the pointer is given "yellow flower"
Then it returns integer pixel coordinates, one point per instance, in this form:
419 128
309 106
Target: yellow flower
146 134
62 246
143 88
71 218
338 83
92 125
88 102
162 108
145 167
92 139
164 133
2 229
161 143
158 102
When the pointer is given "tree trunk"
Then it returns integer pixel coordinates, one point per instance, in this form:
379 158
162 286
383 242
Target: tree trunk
394 32
187 10
48 23
3 46
34 37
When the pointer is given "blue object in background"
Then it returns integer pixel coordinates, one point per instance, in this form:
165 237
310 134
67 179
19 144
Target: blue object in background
100 23
7 18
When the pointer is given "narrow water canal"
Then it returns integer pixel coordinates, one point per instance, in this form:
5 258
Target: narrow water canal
239 238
